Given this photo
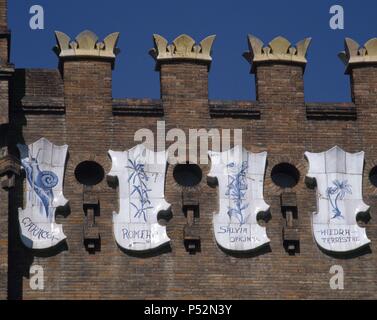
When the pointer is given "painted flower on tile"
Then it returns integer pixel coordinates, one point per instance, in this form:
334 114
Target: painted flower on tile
335 194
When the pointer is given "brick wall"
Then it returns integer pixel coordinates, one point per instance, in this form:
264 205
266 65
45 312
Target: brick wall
4 100
4 106
90 129
3 32
3 14
184 93
3 48
3 232
73 105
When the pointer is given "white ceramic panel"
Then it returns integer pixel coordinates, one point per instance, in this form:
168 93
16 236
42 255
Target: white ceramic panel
141 175
240 176
44 165
338 176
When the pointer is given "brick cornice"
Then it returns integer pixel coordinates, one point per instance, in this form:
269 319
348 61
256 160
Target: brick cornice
331 111
138 107
234 109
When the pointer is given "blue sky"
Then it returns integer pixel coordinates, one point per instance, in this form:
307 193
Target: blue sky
231 21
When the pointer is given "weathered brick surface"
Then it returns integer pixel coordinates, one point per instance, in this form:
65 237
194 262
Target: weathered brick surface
184 94
3 14
38 90
90 129
3 228
4 100
346 111
5 72
3 244
3 49
74 106
3 33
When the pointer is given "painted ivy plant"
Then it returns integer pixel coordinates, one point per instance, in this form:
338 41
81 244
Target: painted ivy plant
138 179
337 193
236 190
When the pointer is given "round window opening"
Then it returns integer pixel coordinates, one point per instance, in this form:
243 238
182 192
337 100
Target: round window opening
285 175
373 176
187 175
89 173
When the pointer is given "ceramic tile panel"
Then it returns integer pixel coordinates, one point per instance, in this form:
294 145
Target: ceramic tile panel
338 176
240 177
141 176
44 165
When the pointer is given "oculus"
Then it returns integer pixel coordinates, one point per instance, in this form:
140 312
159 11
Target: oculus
285 175
89 173
187 175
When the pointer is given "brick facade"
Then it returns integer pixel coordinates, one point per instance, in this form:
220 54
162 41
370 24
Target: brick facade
4 33
3 13
73 105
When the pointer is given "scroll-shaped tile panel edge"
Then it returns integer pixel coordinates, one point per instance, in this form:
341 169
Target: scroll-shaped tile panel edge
141 175
44 165
338 175
240 176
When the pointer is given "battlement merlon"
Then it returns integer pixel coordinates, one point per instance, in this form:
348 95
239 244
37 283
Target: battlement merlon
278 50
355 54
86 45
182 48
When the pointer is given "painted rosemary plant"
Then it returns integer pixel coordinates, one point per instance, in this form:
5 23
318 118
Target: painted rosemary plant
138 179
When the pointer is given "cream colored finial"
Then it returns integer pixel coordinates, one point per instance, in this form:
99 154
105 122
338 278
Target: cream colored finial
356 54
279 49
86 44
183 47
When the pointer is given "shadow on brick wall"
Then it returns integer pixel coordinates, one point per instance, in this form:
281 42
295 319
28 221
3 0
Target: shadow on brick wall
248 254
19 257
349 255
165 248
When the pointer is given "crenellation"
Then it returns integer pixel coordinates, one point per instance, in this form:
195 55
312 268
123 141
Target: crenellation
86 45
356 55
182 48
278 50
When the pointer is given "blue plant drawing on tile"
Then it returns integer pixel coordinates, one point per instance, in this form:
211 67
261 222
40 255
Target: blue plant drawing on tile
41 182
236 190
138 178
336 193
